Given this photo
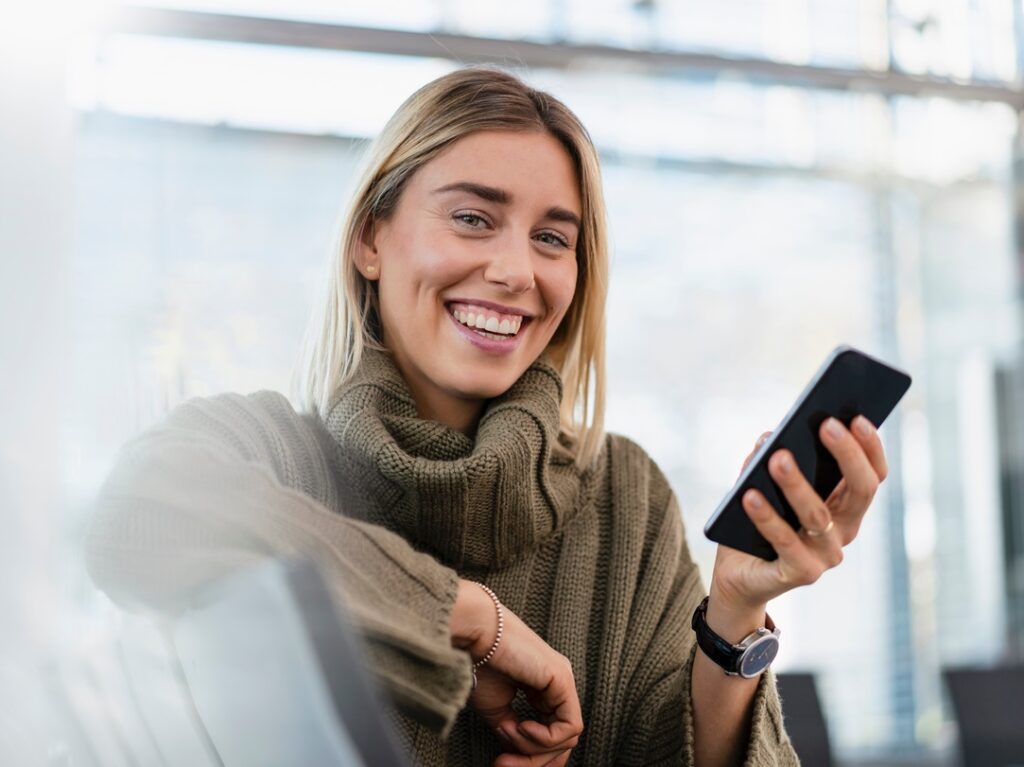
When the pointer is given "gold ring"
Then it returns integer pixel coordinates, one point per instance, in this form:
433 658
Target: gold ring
816 533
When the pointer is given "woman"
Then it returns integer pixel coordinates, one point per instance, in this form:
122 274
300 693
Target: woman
455 389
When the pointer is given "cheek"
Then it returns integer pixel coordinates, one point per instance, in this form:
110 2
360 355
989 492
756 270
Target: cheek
415 272
561 287
432 262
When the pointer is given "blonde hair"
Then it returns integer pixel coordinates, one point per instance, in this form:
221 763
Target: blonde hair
471 99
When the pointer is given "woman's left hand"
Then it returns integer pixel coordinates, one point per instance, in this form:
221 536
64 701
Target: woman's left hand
746 583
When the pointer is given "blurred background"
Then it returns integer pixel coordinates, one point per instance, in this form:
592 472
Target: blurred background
782 176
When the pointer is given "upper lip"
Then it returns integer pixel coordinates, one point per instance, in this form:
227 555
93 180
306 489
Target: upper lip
491 305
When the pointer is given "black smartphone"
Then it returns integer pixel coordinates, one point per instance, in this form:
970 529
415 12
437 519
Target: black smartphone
849 383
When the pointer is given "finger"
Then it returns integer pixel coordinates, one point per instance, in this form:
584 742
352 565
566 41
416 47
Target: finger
539 760
549 684
811 510
871 441
528 742
555 733
562 760
757 446
861 479
558 734
500 716
526 751
797 564
559 697
809 507
537 702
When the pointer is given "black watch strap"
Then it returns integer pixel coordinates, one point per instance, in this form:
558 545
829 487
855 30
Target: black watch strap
724 653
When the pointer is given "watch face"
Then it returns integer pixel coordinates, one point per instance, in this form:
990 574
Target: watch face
759 656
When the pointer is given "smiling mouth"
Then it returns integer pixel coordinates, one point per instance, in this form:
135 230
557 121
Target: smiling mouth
488 324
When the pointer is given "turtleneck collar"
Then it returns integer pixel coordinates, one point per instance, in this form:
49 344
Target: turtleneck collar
474 502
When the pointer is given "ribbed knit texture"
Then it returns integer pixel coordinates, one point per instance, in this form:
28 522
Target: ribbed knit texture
395 508
474 503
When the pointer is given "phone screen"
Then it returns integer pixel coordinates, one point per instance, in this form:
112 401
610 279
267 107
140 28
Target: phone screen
848 383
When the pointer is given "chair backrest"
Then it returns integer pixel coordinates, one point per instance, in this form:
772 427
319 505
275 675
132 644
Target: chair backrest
804 719
989 708
263 669
277 674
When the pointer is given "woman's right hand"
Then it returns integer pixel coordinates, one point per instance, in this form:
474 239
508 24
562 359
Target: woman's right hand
523 661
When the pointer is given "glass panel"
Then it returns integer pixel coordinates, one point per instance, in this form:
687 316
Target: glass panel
959 39
395 14
754 228
252 86
712 119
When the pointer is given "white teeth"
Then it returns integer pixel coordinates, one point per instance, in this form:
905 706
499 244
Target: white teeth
504 327
495 336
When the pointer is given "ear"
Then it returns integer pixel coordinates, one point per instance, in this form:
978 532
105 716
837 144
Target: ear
367 259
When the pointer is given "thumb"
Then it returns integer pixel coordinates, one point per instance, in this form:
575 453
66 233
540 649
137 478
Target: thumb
757 446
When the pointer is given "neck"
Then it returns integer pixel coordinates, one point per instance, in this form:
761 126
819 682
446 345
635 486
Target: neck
434 404
463 415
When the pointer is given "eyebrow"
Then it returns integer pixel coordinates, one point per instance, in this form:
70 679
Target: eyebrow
501 197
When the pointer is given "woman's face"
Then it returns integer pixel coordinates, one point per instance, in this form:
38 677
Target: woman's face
477 267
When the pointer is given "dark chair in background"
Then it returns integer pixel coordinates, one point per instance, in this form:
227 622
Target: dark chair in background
989 708
804 719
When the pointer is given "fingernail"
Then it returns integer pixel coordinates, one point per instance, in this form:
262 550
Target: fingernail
863 426
503 736
785 464
754 499
832 427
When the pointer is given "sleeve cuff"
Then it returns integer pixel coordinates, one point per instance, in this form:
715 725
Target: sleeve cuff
430 691
769 743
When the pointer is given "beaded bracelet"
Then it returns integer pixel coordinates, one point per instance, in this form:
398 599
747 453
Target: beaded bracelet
497 639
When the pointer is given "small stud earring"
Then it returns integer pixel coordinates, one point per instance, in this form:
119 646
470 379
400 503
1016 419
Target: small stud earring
371 268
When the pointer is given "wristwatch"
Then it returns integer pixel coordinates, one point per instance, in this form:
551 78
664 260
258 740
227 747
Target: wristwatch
748 659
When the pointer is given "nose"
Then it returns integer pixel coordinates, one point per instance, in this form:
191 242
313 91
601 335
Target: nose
511 266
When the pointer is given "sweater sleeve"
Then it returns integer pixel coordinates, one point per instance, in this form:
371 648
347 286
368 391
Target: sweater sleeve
227 481
661 728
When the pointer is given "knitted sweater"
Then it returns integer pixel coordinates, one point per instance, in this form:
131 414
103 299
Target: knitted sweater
395 509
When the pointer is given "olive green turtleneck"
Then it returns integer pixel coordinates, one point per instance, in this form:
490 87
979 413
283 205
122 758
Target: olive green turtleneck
394 509
479 502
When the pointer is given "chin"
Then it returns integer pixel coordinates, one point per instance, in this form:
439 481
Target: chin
485 387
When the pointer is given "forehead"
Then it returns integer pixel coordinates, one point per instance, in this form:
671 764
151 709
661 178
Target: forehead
534 167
